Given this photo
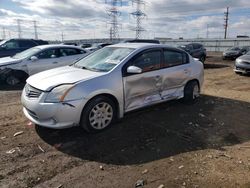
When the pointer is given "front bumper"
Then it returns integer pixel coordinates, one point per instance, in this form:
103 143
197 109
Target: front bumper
242 67
230 56
52 115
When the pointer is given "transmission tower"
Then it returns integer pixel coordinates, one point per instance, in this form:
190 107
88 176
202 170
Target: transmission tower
226 22
139 16
19 28
35 29
114 13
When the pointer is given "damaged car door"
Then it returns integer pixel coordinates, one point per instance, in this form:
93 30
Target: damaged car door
142 80
176 72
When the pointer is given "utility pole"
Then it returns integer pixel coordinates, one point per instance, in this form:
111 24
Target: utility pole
62 36
226 22
207 31
4 36
138 15
19 28
35 30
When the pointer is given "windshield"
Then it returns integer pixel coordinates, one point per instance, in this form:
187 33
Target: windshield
2 42
104 59
27 53
234 48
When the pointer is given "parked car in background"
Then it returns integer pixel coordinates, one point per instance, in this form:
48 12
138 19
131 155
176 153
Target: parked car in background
69 43
97 46
13 46
142 41
242 64
102 87
196 50
85 45
17 68
234 52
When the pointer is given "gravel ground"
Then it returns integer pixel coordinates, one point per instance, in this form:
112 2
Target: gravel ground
202 145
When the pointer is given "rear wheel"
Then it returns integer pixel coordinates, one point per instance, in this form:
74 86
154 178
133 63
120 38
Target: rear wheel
191 92
98 115
12 80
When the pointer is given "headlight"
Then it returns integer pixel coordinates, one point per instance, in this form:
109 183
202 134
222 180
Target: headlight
238 60
59 93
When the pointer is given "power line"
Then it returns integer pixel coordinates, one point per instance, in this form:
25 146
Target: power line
226 22
139 16
114 13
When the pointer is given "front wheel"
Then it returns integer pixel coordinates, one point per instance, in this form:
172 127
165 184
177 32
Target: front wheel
191 92
98 115
202 59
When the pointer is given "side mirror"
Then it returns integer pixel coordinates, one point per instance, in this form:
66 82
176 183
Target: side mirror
134 70
33 58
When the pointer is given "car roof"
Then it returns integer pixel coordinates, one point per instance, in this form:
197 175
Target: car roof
57 46
135 45
144 46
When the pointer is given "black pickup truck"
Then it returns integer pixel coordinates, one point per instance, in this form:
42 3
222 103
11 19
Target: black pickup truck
12 46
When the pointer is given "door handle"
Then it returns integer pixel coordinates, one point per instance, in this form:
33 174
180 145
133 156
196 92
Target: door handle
55 62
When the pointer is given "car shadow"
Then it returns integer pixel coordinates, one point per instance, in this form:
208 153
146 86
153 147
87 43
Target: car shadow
215 66
158 132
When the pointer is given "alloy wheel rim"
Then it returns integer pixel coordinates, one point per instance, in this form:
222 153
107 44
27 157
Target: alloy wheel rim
101 115
196 92
12 80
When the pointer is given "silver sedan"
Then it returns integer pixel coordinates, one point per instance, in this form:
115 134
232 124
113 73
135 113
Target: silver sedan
102 87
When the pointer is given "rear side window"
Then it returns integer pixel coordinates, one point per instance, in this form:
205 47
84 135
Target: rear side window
174 58
70 51
26 44
196 46
148 61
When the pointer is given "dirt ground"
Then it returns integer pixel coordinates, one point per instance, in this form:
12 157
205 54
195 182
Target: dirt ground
172 145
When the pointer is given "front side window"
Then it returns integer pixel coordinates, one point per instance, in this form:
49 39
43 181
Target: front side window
174 58
11 45
148 61
50 53
104 59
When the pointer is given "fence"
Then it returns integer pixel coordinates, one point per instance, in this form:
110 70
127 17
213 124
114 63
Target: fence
216 45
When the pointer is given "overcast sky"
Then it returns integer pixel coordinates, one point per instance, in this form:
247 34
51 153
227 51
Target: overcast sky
80 19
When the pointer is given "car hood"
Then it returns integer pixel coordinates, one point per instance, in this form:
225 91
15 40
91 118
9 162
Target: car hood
245 58
47 80
8 61
231 51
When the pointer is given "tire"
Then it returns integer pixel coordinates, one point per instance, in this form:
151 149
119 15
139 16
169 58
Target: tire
98 114
12 80
202 59
191 92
